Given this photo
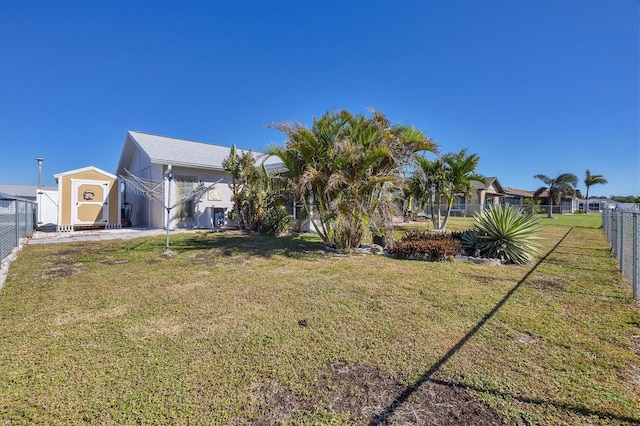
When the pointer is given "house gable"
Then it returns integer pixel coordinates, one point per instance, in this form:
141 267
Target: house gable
89 172
148 156
180 152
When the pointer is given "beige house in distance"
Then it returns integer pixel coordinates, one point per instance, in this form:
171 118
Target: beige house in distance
489 192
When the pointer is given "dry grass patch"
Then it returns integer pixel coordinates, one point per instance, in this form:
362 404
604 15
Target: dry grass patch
239 329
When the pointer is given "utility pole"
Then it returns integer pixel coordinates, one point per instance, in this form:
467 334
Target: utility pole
39 190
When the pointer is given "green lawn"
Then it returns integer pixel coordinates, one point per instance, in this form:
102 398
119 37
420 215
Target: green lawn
238 329
591 220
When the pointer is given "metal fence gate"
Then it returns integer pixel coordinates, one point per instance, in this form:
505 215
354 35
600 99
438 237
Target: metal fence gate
17 219
621 228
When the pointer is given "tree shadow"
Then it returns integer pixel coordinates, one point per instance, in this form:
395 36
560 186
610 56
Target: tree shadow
251 245
388 411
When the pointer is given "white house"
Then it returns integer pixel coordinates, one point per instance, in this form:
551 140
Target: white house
148 157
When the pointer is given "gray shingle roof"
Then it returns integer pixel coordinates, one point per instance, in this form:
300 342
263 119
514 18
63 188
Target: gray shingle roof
23 191
185 153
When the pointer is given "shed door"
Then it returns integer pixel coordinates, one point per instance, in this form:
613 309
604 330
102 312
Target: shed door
90 202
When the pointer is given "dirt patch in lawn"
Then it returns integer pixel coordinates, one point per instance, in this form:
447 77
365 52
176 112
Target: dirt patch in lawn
61 272
546 282
216 257
367 396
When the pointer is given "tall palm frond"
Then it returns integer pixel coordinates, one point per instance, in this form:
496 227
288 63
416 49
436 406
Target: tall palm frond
344 162
563 183
590 180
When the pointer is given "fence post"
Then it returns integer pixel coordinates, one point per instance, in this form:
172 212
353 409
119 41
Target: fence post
621 239
636 258
614 233
17 217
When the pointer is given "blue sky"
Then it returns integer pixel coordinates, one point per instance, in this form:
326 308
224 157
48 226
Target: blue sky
530 86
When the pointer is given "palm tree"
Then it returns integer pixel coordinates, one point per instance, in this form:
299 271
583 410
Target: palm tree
344 165
232 164
563 183
589 180
460 171
444 177
307 154
427 185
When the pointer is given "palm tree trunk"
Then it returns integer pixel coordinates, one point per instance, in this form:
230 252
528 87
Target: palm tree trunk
447 214
586 202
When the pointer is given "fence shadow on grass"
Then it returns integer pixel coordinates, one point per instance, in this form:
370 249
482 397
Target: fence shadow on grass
382 417
578 409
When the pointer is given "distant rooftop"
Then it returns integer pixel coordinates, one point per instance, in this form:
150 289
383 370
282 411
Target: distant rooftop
23 191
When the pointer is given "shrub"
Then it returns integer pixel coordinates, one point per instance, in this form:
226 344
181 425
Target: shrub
532 205
275 221
425 245
470 240
508 233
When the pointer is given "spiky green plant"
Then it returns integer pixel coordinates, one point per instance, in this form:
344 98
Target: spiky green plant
508 233
470 240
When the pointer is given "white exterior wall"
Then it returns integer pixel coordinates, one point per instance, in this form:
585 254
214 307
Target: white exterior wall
47 208
147 213
155 212
218 198
141 167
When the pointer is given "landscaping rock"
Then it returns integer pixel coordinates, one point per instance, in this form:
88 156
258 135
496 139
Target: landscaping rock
478 260
376 249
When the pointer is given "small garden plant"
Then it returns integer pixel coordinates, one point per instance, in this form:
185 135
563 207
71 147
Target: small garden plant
425 245
504 232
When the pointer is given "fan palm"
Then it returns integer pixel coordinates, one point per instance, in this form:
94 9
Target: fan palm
590 180
563 183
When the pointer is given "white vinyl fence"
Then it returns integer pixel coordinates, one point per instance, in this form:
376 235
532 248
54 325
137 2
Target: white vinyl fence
621 227
17 219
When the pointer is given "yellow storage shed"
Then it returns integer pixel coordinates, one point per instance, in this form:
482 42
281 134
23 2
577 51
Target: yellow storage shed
88 198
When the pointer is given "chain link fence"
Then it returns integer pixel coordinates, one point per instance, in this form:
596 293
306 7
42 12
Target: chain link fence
17 219
621 227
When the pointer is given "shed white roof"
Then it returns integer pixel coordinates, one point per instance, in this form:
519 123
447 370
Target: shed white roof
181 152
84 169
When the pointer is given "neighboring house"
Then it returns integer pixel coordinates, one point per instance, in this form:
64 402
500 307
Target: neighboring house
632 207
516 197
45 197
148 156
486 193
594 205
568 203
27 192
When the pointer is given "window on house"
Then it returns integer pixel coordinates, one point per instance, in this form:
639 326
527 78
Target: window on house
488 202
514 201
460 203
186 184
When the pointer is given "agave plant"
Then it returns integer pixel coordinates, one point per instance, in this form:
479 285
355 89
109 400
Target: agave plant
508 233
470 240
